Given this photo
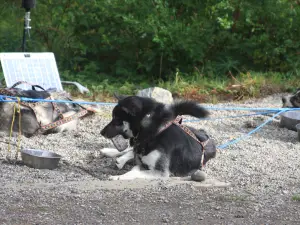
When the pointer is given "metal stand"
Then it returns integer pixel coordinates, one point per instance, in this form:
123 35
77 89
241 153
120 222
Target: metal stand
26 28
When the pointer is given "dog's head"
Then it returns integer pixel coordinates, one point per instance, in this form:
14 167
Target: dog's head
129 115
143 117
291 101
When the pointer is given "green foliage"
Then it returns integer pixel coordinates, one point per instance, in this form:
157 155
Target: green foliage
11 27
213 90
111 41
296 197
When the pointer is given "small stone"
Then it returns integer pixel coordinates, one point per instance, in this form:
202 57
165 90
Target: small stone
239 216
198 176
250 124
73 191
165 220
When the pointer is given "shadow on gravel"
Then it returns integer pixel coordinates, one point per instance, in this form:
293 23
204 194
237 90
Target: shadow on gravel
99 167
271 131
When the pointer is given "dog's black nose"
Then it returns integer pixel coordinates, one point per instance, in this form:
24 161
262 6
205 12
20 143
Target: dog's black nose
102 132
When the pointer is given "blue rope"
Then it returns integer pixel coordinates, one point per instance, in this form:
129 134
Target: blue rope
24 99
14 99
223 146
251 109
227 117
278 111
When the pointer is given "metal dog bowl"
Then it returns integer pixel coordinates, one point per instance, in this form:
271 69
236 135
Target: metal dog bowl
298 129
40 159
290 119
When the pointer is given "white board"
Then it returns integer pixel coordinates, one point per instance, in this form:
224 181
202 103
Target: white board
35 68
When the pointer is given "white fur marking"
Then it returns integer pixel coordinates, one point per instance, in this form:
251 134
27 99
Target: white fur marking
110 152
151 159
168 107
146 121
129 149
121 161
126 129
137 173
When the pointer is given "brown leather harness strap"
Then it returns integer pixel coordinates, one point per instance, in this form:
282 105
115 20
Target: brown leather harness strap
63 120
31 105
178 121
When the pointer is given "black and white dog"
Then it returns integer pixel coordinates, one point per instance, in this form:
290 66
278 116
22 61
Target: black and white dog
291 101
160 148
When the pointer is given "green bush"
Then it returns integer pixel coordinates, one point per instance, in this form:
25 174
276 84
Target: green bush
150 40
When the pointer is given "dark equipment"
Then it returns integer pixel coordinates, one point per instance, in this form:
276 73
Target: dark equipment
27 5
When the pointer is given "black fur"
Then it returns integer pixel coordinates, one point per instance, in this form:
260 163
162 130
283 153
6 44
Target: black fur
180 153
188 108
29 93
291 101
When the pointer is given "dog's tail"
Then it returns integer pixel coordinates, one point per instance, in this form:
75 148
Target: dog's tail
189 108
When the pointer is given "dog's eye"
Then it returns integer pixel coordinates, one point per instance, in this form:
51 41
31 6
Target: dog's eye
119 122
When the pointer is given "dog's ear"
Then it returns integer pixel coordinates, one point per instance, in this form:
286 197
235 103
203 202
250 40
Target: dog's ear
119 97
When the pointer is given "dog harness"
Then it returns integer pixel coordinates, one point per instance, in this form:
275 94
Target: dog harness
177 122
62 120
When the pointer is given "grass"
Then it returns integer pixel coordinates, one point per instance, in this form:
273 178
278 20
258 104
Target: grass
190 86
296 197
198 87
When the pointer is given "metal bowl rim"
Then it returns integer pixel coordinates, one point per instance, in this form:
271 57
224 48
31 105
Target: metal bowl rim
286 115
24 151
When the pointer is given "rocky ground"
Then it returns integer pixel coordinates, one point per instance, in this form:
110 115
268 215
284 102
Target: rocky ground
263 173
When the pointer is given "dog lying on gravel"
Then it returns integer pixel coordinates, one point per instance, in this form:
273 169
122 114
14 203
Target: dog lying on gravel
291 101
160 145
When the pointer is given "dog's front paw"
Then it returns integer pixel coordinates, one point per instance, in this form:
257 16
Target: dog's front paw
114 178
120 163
120 166
109 152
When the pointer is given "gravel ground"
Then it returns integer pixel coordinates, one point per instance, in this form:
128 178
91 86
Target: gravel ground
263 171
